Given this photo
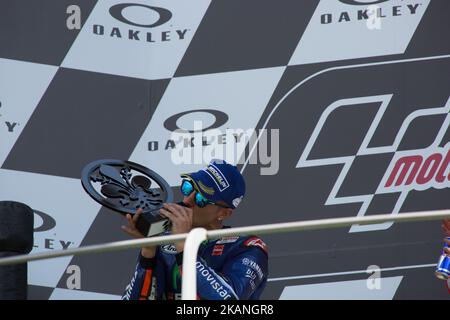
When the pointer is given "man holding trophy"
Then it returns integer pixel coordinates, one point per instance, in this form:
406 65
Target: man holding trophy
228 268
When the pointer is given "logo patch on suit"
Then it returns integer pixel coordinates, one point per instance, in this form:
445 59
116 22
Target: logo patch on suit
225 240
256 242
218 250
169 248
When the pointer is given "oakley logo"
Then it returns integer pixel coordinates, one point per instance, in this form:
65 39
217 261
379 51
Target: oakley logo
117 12
220 118
408 170
362 3
135 17
48 222
338 23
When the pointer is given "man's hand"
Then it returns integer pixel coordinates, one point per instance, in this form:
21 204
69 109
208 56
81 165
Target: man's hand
181 218
131 229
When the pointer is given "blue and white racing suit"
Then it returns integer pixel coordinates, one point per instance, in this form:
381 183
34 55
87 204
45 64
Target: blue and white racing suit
229 268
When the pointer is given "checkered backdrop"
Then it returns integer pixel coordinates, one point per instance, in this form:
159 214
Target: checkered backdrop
352 88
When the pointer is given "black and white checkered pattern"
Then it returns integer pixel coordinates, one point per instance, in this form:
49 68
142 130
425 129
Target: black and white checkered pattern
69 97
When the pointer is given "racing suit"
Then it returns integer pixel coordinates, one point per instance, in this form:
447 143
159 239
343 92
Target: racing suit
229 268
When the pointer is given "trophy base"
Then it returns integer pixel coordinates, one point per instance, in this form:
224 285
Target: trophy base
151 224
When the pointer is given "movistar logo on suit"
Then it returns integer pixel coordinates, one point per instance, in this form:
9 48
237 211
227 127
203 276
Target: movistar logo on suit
204 272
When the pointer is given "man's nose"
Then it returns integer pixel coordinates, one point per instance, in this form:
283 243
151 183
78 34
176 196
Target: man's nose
189 200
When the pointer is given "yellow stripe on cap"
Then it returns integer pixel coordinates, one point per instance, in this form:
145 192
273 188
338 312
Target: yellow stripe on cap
205 189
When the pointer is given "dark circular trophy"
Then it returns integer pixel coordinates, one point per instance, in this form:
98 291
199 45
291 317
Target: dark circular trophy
125 186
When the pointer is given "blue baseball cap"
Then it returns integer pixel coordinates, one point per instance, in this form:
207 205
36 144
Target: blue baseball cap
219 181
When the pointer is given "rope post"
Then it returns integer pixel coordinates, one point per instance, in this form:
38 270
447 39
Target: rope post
16 238
189 282
231 232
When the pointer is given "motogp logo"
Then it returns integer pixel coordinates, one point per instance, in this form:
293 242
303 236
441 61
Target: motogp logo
408 170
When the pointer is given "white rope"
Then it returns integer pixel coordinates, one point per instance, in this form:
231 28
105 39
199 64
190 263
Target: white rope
253 230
